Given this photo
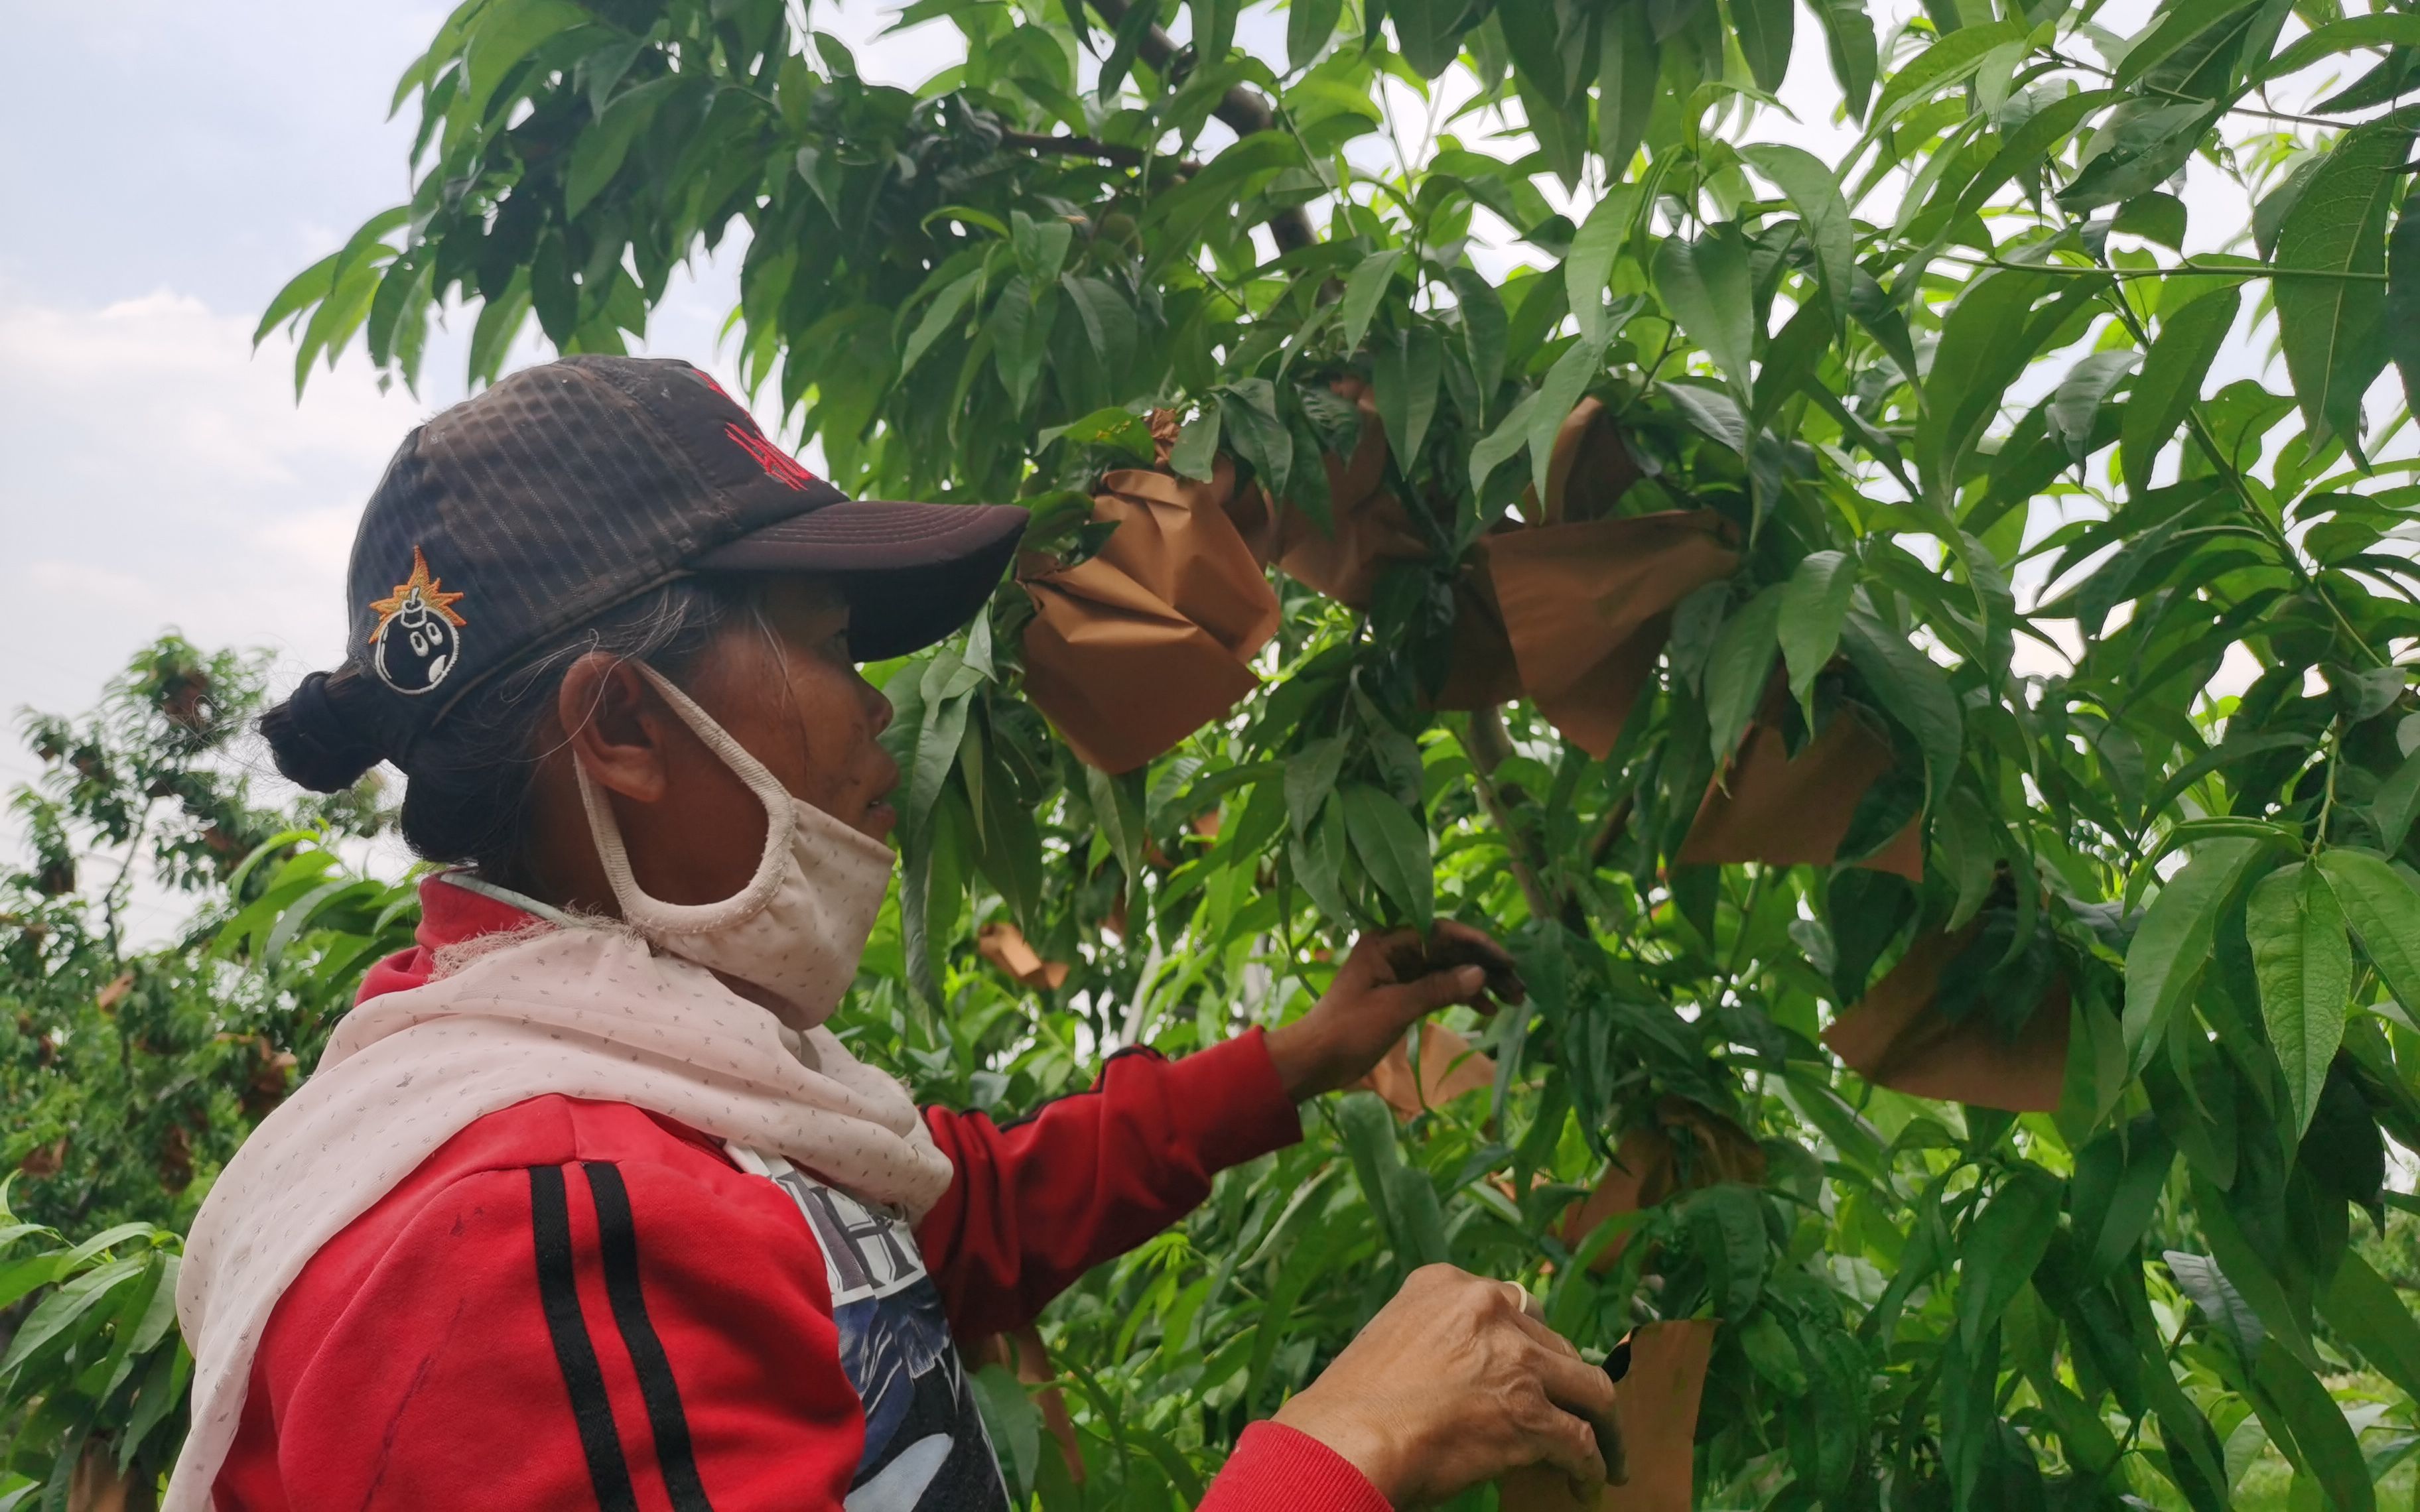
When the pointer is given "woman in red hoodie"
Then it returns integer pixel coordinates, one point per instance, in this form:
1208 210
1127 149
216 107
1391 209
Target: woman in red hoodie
584 1205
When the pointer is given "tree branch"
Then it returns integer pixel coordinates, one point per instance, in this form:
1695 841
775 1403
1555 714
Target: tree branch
1242 110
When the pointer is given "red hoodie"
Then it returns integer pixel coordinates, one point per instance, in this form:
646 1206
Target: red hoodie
576 1303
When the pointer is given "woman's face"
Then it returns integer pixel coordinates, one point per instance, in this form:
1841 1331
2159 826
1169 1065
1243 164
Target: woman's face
781 682
793 699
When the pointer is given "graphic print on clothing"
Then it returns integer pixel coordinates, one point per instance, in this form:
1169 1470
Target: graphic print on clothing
925 1447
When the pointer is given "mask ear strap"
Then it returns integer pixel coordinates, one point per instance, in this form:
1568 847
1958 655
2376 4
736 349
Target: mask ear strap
640 907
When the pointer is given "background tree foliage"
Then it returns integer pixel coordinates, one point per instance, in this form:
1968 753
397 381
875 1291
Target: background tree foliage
977 289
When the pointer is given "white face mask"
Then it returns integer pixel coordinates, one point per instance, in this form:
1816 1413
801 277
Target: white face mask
797 928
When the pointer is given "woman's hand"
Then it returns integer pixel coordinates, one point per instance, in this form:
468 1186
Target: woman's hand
1390 981
1453 1382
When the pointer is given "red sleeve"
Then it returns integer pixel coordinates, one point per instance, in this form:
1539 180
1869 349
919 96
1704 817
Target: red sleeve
1275 1468
593 1334
1035 1204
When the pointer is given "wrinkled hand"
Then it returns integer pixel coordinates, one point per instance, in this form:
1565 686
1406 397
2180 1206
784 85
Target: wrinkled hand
1453 1383
1388 983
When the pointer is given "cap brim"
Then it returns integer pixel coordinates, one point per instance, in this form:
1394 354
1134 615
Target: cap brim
913 573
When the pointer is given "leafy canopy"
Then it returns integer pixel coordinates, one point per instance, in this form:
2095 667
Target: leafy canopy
1952 396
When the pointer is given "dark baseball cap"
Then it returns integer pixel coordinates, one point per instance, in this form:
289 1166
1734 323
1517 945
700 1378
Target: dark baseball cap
573 486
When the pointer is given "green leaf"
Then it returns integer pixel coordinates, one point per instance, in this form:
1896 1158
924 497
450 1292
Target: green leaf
2002 1246
2199 1278
1542 414
1915 691
1483 328
1736 671
1814 606
1628 61
2174 941
2384 912
1510 434
2401 322
1814 188
2360 1306
1727 1230
1364 289
1588 268
1394 846
2304 964
2177 26
2329 320
2075 405
2029 148
2395 805
1429 33
1309 25
1944 63
1849 40
1765 29
938 316
2325 1441
2389 29
2171 379
597 154
1309 778
1406 372
1010 1419
506 32
1705 284
1196 451
304 290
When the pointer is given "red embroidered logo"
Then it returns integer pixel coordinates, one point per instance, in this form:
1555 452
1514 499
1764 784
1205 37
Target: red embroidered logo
776 462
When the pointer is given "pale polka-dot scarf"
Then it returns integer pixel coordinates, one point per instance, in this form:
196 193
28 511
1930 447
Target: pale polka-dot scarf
581 1013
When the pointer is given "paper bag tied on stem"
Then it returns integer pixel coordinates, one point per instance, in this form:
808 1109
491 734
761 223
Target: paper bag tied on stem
1686 1148
1587 607
1004 945
1371 531
1794 810
1130 652
1590 468
1448 1068
1896 1037
1656 1404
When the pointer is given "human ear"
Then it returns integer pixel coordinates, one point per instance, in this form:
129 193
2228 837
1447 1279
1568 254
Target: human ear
614 726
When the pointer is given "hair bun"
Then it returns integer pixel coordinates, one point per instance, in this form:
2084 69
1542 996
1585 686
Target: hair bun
315 744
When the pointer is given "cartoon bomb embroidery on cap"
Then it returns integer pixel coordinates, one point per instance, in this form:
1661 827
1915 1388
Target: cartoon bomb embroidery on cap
418 639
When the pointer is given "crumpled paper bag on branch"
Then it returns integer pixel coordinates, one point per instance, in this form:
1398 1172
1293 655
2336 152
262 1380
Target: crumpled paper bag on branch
1794 810
1448 1068
1895 1038
1651 1165
1371 531
1656 1404
1588 606
1152 637
1005 946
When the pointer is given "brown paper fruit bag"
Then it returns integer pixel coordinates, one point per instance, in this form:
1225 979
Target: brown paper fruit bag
1656 1404
1130 652
1794 810
1587 607
1896 1036
1686 1148
1448 1068
1004 945
1370 530
1590 468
